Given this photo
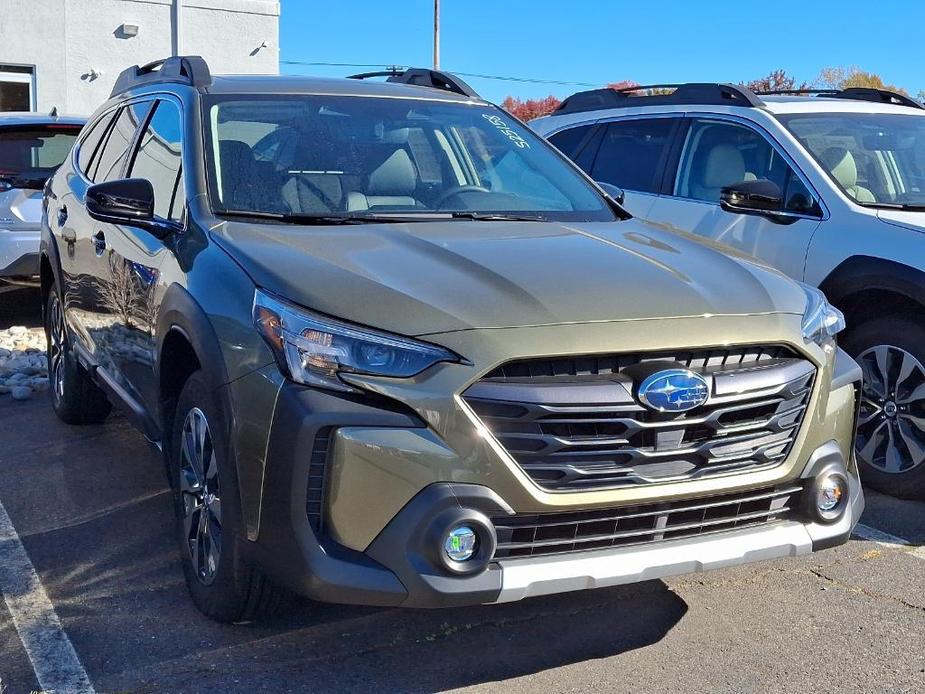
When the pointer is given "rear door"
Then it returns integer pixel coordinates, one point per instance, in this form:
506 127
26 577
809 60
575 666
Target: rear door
91 297
717 152
630 153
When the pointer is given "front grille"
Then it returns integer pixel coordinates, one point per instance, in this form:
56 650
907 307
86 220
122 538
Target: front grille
574 424
556 533
317 474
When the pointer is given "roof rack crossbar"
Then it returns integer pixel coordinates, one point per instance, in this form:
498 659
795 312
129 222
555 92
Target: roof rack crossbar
186 69
704 93
422 77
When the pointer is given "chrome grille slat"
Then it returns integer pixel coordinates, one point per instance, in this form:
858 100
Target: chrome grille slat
562 532
583 429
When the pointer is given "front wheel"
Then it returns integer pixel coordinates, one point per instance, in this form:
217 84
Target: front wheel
222 584
891 422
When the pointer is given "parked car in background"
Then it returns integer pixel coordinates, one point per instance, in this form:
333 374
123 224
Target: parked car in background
828 186
397 350
32 146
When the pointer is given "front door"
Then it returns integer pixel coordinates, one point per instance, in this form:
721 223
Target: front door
718 153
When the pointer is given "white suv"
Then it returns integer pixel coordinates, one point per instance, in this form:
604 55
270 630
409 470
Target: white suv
828 186
32 147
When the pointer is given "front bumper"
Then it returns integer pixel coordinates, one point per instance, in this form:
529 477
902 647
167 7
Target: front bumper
406 453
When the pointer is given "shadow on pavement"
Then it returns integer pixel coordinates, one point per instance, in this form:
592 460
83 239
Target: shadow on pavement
101 536
19 306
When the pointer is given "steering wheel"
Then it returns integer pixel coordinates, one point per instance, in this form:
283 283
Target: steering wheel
456 190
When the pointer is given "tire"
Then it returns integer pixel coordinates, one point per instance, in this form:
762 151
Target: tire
223 586
75 398
891 425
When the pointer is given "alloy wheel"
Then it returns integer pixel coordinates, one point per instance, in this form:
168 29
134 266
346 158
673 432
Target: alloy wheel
201 497
56 347
891 421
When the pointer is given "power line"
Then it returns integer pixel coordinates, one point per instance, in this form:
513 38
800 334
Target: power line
526 80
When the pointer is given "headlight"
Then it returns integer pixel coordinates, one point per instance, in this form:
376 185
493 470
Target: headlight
821 321
313 349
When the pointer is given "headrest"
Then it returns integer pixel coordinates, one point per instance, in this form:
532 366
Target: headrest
724 165
234 153
395 176
840 162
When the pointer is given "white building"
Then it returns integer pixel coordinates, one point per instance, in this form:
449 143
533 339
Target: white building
68 53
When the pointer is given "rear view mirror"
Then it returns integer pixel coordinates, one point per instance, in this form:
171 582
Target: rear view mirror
752 197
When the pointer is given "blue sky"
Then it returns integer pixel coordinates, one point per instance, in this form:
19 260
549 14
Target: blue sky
599 42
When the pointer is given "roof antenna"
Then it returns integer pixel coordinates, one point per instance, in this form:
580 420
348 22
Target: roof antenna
54 112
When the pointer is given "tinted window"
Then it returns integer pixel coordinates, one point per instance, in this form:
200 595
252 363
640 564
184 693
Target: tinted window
158 160
114 153
567 141
718 154
633 152
90 143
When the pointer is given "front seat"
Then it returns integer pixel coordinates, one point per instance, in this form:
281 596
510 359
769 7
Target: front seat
391 184
840 162
722 166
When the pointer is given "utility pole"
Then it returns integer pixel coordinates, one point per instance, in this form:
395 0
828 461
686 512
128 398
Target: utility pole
436 34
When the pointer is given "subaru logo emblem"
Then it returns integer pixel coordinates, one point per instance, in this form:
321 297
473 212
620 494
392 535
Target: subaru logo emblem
674 390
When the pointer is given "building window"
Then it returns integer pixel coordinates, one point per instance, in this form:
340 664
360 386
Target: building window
17 88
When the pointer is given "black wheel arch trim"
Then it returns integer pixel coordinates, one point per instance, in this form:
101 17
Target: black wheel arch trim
864 273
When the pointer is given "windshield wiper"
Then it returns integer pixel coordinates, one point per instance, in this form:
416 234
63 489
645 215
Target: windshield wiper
497 217
905 206
327 219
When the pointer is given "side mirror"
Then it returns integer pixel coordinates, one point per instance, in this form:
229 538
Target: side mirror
613 191
752 197
126 201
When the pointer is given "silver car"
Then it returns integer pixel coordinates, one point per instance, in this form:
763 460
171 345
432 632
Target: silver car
828 186
32 146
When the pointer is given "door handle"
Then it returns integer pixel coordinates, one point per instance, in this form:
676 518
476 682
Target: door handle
99 243
62 215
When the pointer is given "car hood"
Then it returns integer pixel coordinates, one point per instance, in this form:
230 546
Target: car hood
902 218
431 277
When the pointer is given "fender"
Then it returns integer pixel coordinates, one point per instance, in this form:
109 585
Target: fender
180 311
864 273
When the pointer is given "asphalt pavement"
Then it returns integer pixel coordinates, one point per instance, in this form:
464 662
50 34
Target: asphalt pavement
92 514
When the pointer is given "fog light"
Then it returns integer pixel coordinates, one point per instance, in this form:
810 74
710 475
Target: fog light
461 543
830 495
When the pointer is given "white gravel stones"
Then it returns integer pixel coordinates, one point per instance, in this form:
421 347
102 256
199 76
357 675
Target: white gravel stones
23 367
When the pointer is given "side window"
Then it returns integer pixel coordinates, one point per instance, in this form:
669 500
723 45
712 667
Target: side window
158 160
633 153
425 157
718 154
114 153
567 141
91 141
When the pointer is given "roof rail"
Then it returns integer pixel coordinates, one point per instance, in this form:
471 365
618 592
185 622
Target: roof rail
704 93
185 69
883 96
422 77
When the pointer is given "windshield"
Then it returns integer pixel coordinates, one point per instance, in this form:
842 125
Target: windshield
878 159
30 154
315 155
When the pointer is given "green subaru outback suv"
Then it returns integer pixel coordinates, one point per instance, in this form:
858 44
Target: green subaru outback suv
396 350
